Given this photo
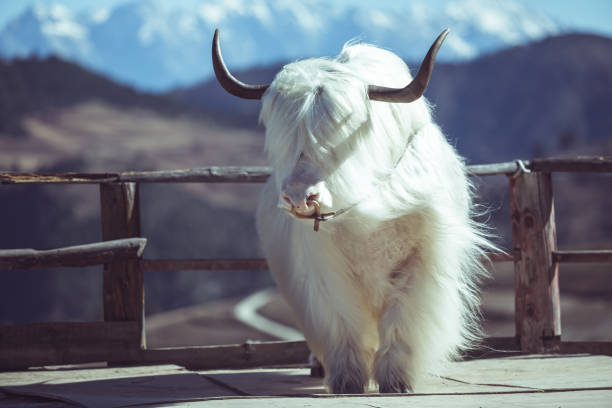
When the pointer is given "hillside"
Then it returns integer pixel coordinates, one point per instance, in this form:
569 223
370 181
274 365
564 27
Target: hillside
209 97
549 97
188 220
546 98
32 86
63 118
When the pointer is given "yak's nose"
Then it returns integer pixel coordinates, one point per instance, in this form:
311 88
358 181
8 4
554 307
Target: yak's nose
302 206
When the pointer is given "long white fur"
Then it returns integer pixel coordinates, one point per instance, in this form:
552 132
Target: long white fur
387 291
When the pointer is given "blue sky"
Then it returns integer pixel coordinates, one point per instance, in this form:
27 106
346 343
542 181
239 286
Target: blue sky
583 15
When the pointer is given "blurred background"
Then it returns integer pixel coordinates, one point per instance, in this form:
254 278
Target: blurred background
113 85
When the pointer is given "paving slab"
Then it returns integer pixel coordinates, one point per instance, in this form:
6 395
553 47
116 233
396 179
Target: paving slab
579 399
295 382
545 372
536 372
111 387
21 401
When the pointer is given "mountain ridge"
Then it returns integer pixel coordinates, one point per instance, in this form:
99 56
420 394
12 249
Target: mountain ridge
153 47
569 77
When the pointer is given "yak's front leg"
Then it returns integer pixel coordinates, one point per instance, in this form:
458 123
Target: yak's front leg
394 360
421 324
346 368
337 327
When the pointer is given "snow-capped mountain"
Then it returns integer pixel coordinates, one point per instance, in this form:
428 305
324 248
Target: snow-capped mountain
156 45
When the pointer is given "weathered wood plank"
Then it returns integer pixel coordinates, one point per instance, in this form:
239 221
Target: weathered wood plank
604 255
57 178
580 164
492 169
259 174
214 174
203 264
252 264
81 255
283 353
537 309
38 344
603 348
277 353
226 174
251 354
123 280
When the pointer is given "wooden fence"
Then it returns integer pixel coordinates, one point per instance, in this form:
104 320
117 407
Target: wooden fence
120 338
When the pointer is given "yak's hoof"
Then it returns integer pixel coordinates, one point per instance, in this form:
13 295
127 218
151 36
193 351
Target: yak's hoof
347 388
395 388
317 371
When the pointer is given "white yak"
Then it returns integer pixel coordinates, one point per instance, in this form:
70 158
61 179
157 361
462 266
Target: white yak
384 286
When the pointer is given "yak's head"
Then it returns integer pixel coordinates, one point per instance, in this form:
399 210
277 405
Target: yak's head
325 138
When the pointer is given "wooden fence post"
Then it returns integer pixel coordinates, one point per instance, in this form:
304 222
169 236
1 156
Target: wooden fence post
537 309
123 282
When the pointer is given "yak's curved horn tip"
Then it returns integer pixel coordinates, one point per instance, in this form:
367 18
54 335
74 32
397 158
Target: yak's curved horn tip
416 88
227 80
442 36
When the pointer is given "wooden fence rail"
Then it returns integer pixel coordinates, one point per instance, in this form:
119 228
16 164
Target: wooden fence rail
81 255
257 174
510 255
203 264
601 255
41 344
121 337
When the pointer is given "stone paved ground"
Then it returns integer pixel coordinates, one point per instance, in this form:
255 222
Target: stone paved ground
558 381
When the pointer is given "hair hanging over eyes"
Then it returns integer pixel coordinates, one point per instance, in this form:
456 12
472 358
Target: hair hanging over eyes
320 108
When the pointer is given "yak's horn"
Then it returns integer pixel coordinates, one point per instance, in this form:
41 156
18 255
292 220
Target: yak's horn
227 80
415 89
